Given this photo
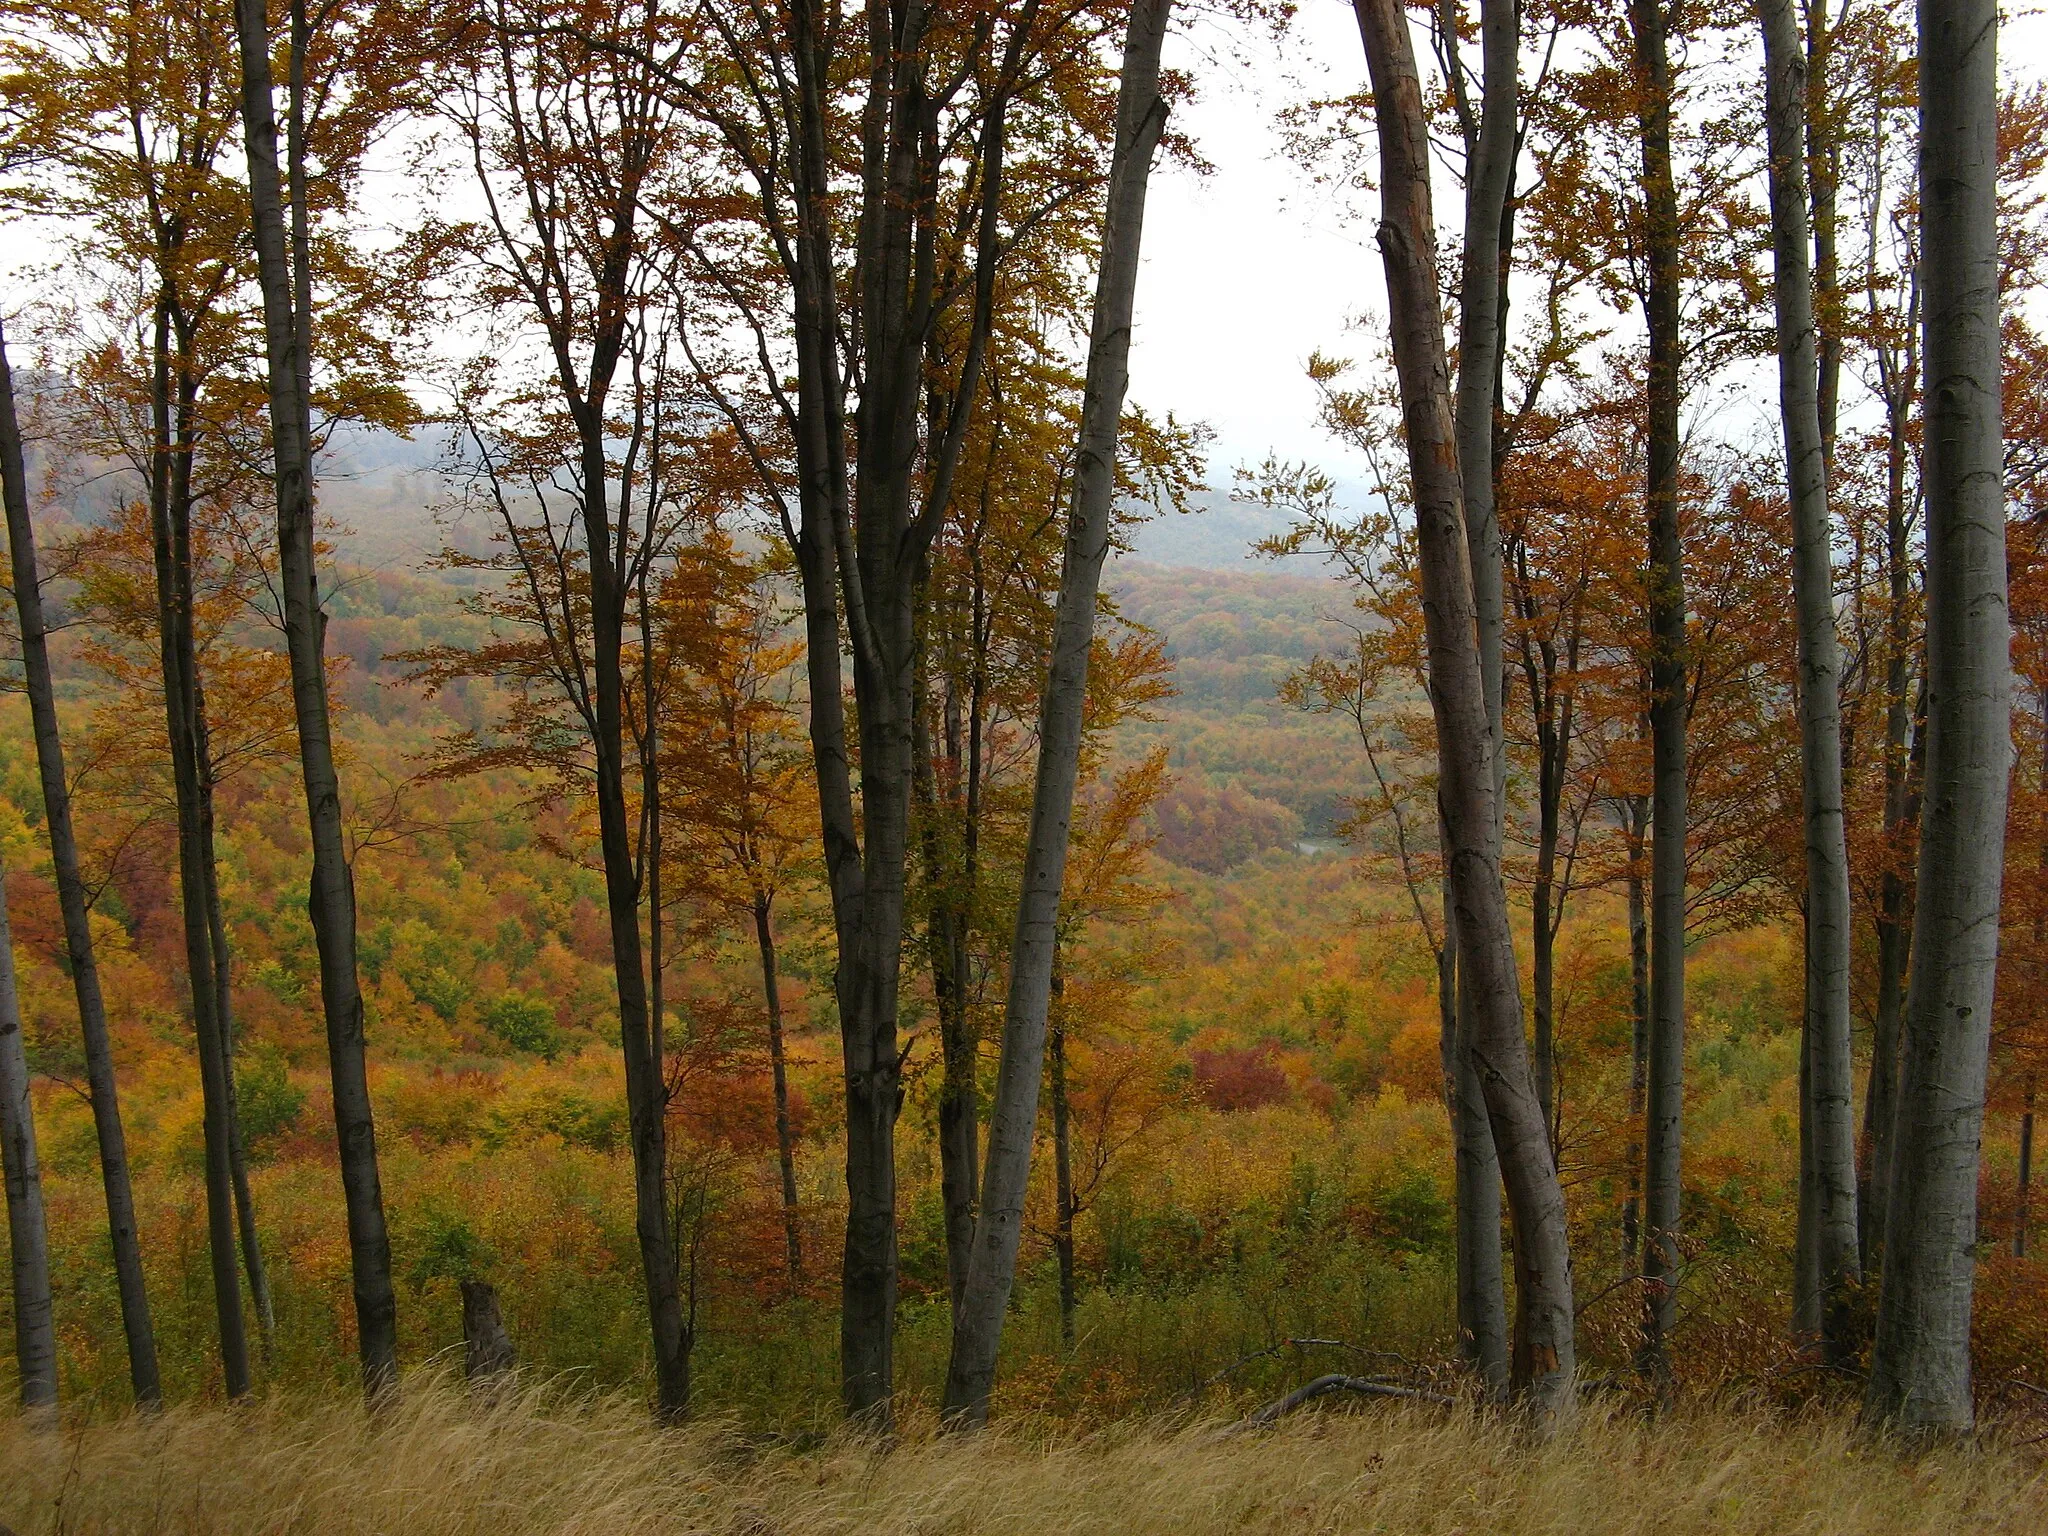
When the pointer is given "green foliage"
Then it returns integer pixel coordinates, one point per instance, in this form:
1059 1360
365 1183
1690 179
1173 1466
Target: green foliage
270 1103
524 1023
444 1246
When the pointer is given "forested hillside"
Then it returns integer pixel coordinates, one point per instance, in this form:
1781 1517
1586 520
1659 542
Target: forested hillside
656 837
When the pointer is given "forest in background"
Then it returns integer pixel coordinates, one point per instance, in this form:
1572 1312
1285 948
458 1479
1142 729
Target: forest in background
759 900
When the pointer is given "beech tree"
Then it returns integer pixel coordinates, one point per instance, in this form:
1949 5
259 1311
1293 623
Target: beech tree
1665 1093
1827 1110
1543 1360
281 203
999 1220
124 1237
1920 1360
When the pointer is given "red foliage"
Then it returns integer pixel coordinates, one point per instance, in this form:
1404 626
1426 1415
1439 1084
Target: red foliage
1240 1077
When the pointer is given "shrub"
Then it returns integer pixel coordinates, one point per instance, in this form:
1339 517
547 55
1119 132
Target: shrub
269 1102
524 1023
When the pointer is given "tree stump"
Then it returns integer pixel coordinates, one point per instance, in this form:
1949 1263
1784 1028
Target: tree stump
487 1347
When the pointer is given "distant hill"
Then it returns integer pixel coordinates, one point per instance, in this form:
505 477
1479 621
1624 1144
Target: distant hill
1234 636
1217 536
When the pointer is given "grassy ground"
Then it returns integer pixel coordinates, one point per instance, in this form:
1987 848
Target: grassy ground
441 1464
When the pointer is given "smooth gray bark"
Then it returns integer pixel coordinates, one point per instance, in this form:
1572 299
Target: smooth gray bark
1481 346
1665 1094
487 1351
1920 1361
1543 1362
103 1087
1482 1287
1013 1120
331 903
28 1232
1827 1105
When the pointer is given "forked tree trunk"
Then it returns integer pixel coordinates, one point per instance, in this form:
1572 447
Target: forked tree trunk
1827 1103
1665 1095
1482 294
331 902
28 1232
102 1086
1920 1362
1543 1362
1013 1120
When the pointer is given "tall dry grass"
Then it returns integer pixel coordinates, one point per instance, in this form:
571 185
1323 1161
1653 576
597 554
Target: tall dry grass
442 1464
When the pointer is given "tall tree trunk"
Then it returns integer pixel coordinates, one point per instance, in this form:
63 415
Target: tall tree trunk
330 903
1639 1031
28 1233
1665 1098
778 1065
1821 147
1481 350
224 1012
170 516
1013 1120
1827 1107
102 1085
1543 1362
1920 1363
1904 771
949 893
1063 1173
1482 1289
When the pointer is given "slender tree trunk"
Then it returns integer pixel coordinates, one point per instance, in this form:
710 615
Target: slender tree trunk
1664 1109
28 1233
1905 769
2026 1179
103 1087
331 896
170 508
224 1012
1482 1289
1063 1178
1639 1031
1920 1363
949 890
778 1064
998 1227
1543 1361
1823 158
1827 1107
1481 349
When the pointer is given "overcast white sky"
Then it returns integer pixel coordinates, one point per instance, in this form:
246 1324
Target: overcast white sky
1249 269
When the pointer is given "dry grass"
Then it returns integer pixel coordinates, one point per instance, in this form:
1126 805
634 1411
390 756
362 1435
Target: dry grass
440 1464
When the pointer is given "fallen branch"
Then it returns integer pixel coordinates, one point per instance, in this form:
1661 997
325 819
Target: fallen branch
1273 1349
1323 1386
